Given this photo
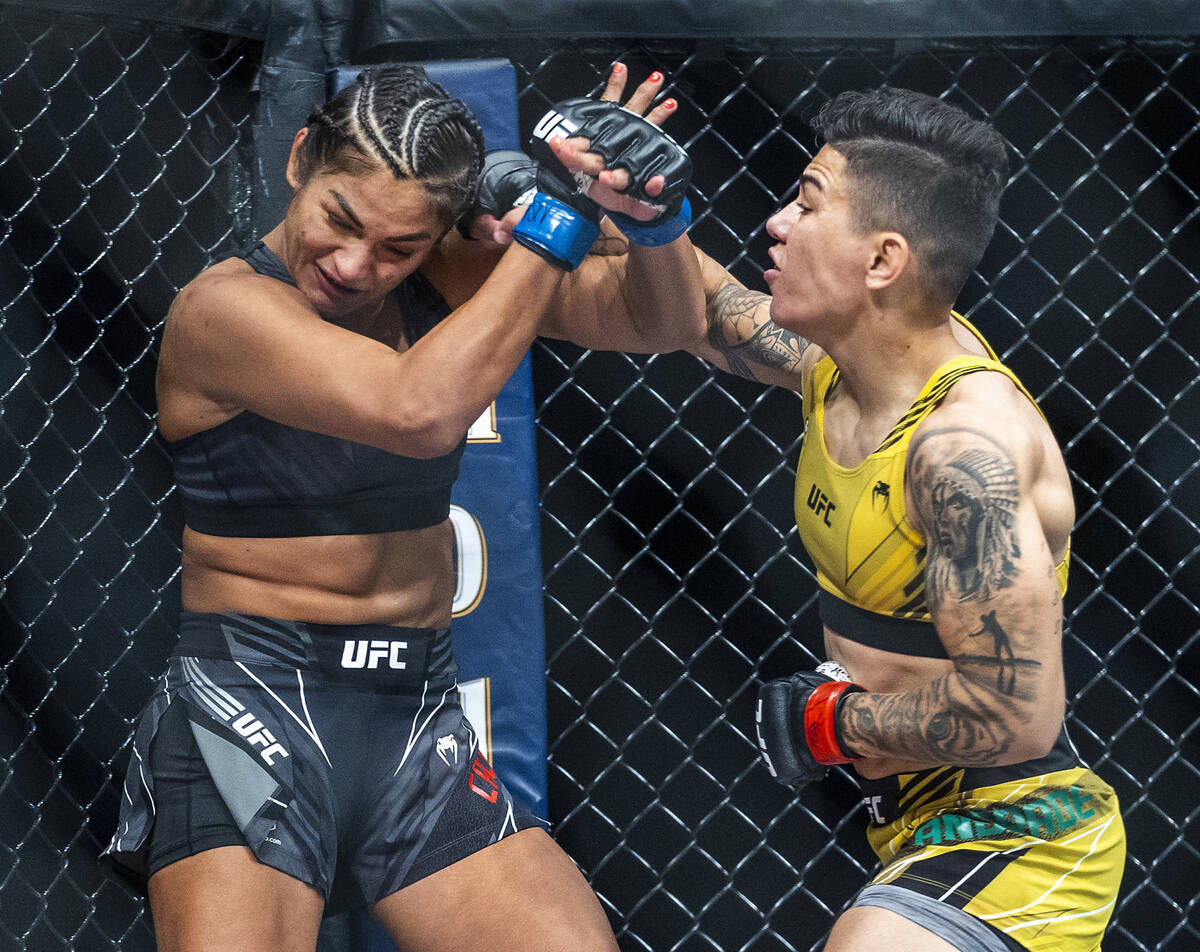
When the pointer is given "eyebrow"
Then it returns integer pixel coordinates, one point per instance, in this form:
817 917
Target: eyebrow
807 179
349 213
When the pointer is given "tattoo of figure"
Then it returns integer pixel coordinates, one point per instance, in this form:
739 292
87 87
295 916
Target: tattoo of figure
968 499
732 312
970 503
1002 659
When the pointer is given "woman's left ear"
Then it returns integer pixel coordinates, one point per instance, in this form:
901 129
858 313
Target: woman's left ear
293 165
891 257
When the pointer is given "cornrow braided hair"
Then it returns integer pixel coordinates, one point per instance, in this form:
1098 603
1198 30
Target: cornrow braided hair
397 116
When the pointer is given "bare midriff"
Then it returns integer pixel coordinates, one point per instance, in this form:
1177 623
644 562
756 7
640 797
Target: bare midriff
884 672
391 578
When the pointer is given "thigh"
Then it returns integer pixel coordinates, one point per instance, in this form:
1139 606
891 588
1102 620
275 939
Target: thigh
225 899
522 892
872 929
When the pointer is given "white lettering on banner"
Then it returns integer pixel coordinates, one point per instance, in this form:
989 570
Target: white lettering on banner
484 429
369 654
470 561
476 698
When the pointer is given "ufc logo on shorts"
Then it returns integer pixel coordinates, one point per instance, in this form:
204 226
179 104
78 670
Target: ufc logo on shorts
553 124
371 654
251 728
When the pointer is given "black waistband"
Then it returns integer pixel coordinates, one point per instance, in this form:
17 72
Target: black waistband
906 636
368 656
386 510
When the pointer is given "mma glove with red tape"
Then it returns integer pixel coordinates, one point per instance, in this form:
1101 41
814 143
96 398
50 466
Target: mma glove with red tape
796 724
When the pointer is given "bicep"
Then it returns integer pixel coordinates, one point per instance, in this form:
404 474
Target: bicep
990 582
244 344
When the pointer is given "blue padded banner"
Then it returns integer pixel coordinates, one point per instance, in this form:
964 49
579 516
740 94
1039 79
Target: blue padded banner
498 629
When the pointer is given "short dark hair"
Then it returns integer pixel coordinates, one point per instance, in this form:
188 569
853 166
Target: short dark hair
924 168
397 117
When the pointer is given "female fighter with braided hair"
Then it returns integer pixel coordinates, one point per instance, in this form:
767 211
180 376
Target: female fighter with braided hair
306 748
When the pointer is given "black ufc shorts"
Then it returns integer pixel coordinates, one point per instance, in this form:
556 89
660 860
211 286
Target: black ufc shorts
323 748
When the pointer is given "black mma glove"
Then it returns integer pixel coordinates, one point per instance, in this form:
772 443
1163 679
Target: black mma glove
625 140
561 222
510 179
796 724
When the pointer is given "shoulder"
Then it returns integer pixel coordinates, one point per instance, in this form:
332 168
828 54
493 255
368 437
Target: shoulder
987 408
227 295
987 445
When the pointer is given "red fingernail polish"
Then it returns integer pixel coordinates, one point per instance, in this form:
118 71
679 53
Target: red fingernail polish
669 104
656 77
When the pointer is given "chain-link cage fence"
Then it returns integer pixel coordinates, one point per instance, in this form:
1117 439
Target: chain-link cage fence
674 580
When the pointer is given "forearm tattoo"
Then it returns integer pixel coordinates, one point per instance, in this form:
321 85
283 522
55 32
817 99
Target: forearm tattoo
967 497
742 338
953 720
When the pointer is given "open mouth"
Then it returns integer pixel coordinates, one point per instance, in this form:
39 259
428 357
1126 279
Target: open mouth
330 286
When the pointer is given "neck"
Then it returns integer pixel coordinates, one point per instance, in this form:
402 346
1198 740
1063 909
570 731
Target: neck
888 357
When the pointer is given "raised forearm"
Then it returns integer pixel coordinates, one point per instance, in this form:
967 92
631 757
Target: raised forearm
663 295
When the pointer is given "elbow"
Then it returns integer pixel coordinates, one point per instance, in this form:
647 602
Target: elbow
434 442
421 435
1033 737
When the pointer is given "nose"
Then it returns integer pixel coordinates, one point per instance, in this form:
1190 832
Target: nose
780 224
353 261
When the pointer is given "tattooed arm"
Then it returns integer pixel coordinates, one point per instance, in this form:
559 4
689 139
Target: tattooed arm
992 591
740 336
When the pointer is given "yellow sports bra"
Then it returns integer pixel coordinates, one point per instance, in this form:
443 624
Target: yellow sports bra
870 561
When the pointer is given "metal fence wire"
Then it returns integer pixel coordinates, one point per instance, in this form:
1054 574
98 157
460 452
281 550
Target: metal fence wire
674 580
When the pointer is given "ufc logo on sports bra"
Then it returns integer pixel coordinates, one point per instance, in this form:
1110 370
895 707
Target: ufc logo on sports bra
372 654
819 503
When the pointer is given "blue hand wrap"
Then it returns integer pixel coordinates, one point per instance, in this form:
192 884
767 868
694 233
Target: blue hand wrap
641 233
556 231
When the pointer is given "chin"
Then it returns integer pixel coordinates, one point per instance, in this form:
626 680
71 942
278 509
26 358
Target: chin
786 319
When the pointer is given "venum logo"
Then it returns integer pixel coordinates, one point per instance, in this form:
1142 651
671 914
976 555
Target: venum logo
371 654
447 749
251 728
819 503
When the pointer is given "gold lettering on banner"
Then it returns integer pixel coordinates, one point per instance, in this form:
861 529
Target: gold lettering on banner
470 562
485 429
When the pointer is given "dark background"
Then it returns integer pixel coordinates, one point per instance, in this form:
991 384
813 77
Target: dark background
674 581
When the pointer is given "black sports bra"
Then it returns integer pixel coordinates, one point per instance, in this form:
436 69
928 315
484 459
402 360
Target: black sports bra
254 477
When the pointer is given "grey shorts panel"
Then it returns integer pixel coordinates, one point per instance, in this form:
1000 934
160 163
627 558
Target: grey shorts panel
961 929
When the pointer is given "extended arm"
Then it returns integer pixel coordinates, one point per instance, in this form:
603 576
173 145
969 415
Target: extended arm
238 341
682 305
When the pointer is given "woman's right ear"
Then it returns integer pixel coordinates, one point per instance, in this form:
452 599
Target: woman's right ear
294 158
